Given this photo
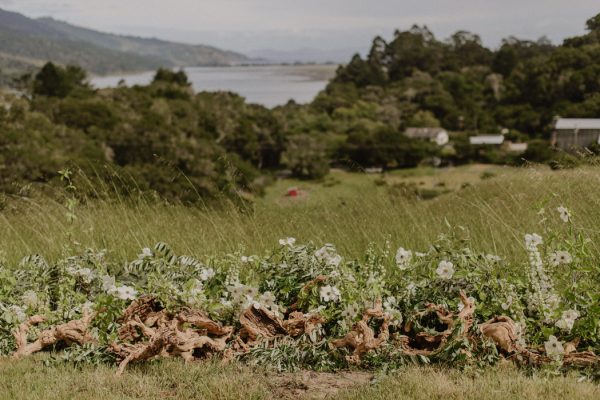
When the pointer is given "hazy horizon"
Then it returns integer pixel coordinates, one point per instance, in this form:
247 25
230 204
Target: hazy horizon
338 27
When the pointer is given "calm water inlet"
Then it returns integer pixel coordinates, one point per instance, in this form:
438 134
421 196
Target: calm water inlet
267 85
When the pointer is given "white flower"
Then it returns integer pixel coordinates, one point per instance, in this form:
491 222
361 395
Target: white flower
236 290
461 306
250 292
554 348
564 257
506 306
328 255
565 324
570 314
18 312
197 289
329 293
560 257
445 270
403 257
225 302
126 293
108 284
146 252
351 311
268 299
206 274
564 213
411 289
30 299
533 240
553 301
493 258
567 320
247 259
418 254
287 241
86 273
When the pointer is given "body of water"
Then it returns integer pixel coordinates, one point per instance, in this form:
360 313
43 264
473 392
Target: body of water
267 85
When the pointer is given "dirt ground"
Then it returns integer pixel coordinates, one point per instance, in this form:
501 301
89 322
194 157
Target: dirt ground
309 385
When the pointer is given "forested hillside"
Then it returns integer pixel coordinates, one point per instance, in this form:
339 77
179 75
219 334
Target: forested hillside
27 44
192 146
462 85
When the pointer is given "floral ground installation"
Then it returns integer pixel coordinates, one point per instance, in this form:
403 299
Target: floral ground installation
304 306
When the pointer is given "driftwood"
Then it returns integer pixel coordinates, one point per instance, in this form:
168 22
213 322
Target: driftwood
504 333
428 344
298 323
186 334
76 331
260 324
362 339
148 331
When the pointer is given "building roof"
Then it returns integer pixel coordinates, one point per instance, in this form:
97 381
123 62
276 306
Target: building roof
424 133
577 123
486 139
517 147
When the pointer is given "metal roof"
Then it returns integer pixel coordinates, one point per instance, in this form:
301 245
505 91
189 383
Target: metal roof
577 123
487 139
423 133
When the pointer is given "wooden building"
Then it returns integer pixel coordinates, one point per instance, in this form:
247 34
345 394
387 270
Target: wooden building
576 133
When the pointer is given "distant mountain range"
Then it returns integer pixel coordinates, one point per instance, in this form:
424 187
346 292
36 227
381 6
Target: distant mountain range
305 55
26 44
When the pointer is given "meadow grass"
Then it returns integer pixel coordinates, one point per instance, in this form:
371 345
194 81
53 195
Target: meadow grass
349 210
172 379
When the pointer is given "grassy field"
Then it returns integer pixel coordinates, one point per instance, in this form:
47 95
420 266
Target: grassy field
348 210
173 380
497 205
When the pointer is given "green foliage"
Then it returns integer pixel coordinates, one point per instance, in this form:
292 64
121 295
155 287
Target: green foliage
191 147
538 295
385 147
593 24
306 157
56 81
166 75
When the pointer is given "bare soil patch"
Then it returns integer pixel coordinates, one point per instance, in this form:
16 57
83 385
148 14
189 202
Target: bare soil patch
309 385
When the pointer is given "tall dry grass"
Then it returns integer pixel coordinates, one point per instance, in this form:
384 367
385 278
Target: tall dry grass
351 214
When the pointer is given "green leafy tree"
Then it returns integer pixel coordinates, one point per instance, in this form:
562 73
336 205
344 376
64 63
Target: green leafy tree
306 157
56 81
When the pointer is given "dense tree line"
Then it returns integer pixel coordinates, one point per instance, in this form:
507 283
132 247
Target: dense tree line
191 146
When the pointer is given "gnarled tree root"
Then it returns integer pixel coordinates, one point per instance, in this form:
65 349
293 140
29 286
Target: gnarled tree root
76 331
260 324
428 344
503 332
362 339
179 335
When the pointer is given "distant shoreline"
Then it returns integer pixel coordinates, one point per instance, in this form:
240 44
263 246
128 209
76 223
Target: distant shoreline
241 65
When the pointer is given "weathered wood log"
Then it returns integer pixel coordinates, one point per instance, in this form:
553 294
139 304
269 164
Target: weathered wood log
76 331
362 339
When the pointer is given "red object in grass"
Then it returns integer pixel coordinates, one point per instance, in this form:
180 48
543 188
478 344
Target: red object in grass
292 192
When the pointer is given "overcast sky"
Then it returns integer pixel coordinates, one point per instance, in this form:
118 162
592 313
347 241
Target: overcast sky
247 25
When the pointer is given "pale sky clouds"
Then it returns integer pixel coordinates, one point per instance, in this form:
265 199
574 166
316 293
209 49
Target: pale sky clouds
247 25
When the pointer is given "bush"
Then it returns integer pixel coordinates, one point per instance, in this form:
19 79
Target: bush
539 151
306 157
55 81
